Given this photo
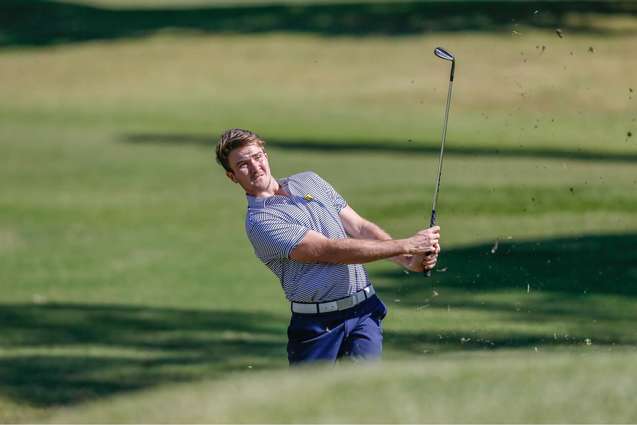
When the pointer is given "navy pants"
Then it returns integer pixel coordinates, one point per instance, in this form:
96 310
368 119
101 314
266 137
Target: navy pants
355 332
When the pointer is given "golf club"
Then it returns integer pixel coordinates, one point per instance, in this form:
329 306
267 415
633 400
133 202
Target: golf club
442 54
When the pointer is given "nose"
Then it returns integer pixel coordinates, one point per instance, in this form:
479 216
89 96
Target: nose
253 165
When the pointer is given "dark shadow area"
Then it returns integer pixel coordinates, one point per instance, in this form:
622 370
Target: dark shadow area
393 147
562 284
76 353
574 266
46 22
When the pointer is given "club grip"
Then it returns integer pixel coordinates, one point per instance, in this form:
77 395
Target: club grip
432 223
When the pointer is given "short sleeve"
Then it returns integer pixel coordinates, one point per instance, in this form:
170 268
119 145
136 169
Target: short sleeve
336 198
273 238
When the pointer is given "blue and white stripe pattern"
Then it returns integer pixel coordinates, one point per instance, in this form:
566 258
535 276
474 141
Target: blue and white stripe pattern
275 225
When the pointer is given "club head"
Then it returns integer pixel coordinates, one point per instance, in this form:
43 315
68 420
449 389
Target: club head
443 54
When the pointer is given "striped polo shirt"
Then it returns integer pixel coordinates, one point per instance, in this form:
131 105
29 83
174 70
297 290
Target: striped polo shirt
276 224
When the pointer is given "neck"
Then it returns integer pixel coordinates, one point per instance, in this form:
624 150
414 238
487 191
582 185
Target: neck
274 188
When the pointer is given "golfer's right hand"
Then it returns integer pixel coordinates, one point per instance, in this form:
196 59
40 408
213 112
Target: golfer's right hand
423 242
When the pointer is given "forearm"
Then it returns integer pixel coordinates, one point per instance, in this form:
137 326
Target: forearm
358 251
359 228
372 231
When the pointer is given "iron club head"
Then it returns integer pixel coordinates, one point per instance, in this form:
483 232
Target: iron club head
443 54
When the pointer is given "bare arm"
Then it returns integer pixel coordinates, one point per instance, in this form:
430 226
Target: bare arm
359 228
316 248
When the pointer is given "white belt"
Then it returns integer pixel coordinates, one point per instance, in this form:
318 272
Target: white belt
338 305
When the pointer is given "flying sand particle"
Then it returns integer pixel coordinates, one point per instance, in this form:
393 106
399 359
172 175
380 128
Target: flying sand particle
495 247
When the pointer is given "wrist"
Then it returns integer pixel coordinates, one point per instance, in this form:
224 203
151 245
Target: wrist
406 248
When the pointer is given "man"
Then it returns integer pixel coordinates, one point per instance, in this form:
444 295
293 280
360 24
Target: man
315 243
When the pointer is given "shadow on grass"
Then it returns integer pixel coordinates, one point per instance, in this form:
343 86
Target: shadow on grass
46 22
429 148
64 354
570 289
572 266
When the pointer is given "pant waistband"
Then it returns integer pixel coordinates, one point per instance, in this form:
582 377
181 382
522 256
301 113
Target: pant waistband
337 305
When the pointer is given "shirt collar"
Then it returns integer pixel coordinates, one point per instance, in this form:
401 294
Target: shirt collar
254 202
260 202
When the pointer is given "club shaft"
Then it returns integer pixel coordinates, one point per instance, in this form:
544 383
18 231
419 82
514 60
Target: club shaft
432 221
442 151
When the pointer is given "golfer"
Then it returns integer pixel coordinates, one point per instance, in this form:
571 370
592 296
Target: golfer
315 243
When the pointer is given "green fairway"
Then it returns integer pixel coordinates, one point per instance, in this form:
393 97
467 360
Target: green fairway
126 274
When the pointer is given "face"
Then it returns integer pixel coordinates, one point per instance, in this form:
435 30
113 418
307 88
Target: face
250 168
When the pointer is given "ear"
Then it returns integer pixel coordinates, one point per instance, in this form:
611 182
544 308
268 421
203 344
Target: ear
231 176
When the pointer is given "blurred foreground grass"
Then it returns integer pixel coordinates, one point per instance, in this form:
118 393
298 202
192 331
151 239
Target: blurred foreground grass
593 387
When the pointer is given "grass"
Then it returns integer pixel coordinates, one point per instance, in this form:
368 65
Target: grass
128 280
550 388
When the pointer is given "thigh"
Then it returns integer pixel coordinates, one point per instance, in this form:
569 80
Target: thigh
366 339
312 339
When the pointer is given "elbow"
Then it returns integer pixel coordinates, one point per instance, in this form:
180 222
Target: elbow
317 252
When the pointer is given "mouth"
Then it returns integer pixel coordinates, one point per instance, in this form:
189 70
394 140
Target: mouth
257 177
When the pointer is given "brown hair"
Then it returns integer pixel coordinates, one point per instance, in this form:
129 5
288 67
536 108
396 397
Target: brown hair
233 139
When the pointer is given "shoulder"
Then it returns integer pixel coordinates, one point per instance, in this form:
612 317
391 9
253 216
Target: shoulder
305 176
309 178
261 215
